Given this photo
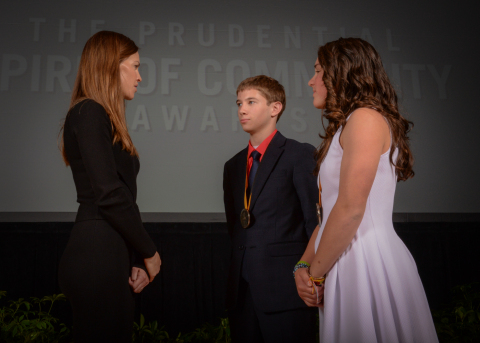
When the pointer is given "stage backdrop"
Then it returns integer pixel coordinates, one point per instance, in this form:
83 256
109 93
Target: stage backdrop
194 54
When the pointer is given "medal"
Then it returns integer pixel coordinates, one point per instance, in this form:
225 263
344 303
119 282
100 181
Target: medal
319 204
319 214
245 218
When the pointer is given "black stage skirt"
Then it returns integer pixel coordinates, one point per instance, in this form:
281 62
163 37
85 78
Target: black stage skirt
93 274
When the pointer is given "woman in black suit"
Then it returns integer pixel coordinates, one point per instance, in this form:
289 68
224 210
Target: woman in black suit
109 252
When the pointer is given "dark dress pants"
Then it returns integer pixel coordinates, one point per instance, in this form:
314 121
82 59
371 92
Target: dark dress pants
93 274
248 324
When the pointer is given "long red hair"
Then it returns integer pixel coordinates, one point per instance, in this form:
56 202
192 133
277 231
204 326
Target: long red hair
98 78
354 77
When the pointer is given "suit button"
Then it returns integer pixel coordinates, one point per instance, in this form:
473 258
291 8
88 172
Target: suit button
241 247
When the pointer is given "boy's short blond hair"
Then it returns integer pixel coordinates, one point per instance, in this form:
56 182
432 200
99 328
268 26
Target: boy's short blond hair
270 88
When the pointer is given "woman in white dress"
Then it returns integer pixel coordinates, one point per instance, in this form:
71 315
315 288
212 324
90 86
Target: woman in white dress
372 291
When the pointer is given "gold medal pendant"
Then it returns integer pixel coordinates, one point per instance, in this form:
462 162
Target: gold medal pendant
319 204
245 218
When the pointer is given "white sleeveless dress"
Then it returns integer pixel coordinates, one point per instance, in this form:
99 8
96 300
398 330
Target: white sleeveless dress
373 293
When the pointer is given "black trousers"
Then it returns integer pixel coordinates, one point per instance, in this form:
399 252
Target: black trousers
248 324
93 274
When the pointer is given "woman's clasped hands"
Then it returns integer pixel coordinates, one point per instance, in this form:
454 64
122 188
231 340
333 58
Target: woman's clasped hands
153 265
313 297
139 278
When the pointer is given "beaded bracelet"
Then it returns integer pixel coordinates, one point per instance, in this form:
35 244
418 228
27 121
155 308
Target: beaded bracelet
304 262
300 264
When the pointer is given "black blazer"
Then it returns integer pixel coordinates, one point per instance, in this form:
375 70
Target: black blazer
284 217
104 175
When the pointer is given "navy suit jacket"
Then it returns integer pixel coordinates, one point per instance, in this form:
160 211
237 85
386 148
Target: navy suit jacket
283 219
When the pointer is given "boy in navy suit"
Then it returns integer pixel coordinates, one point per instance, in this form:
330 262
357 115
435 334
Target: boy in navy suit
270 194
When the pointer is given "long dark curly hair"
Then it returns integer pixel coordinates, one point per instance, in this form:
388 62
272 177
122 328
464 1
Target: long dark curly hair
354 77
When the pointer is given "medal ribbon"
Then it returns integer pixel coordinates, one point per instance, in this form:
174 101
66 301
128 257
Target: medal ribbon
319 193
245 201
316 284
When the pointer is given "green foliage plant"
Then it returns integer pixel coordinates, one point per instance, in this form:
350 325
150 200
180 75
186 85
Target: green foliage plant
209 333
459 320
149 333
25 321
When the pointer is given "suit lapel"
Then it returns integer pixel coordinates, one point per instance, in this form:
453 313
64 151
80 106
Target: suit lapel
241 169
274 151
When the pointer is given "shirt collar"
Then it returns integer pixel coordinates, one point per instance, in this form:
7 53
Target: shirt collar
263 146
